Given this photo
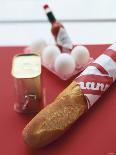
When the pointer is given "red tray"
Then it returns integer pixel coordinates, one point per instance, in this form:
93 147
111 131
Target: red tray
93 134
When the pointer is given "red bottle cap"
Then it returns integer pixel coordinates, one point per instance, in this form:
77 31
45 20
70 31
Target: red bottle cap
45 6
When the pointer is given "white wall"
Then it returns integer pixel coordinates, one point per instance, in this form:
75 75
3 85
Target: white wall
63 9
82 32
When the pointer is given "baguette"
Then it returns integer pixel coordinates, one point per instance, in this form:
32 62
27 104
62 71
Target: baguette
76 99
51 122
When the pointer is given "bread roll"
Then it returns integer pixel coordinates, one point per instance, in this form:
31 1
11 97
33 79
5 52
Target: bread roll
50 123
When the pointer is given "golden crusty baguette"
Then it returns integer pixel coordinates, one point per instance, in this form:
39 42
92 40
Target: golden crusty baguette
51 122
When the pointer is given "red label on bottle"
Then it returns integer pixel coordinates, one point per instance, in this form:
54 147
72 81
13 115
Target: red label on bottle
63 39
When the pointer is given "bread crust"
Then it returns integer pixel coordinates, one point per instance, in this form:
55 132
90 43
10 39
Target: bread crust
51 122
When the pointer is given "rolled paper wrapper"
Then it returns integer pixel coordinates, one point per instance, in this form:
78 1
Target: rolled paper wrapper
98 77
52 121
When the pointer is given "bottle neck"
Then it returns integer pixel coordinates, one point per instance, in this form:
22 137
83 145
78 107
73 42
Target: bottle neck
51 17
49 14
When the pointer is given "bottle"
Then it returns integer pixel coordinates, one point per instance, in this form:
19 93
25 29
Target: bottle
60 35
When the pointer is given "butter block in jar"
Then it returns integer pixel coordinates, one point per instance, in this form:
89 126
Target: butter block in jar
26 70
